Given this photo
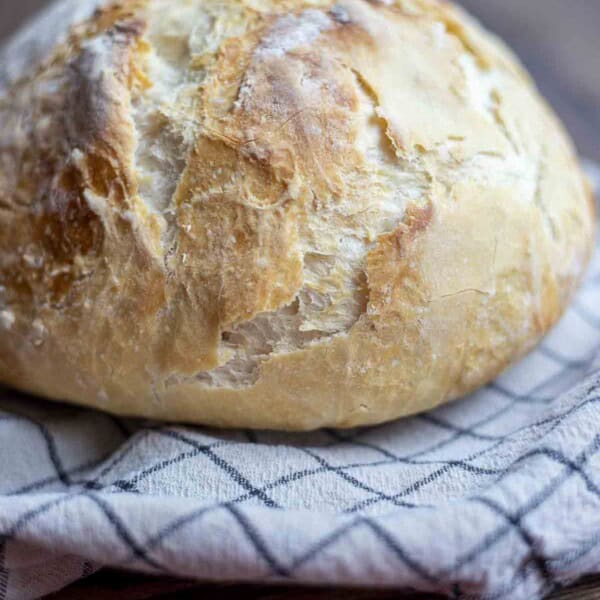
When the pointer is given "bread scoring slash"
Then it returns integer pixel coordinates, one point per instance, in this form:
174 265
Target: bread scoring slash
277 214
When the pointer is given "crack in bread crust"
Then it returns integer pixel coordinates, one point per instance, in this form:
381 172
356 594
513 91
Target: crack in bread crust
262 212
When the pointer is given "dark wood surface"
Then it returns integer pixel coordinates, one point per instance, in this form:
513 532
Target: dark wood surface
558 41
121 586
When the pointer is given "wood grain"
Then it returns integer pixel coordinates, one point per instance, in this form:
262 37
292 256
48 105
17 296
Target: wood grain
558 41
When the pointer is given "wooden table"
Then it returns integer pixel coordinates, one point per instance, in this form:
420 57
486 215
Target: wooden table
121 586
557 39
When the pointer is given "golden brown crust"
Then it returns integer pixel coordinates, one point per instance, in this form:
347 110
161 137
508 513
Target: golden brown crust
295 214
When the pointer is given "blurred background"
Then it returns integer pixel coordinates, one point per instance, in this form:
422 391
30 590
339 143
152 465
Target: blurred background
558 40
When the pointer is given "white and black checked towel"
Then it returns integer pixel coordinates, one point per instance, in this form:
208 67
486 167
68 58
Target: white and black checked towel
495 496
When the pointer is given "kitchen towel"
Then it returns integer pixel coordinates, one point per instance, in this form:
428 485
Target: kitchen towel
494 496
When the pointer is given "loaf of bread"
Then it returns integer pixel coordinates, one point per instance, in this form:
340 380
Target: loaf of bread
277 214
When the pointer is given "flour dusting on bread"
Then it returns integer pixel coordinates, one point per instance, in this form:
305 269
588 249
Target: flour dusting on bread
276 213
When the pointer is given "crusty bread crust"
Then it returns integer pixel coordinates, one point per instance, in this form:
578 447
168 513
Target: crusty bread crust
279 213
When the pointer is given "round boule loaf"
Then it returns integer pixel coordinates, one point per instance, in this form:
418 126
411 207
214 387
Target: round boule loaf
276 213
